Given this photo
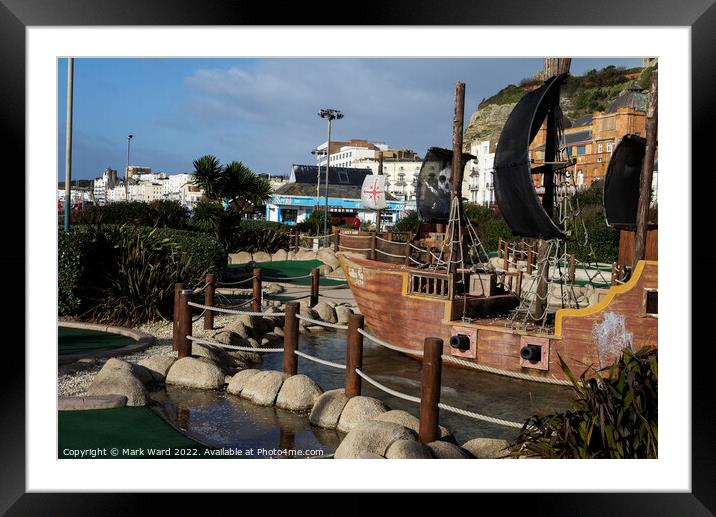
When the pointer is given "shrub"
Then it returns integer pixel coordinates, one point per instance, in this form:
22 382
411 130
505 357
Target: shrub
258 236
408 223
210 216
161 213
168 214
71 249
313 224
200 253
611 417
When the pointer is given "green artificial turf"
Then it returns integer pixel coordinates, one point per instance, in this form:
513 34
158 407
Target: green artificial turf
75 341
280 270
134 432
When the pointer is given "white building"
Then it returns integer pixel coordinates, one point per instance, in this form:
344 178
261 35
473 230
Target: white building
346 154
401 168
102 184
478 184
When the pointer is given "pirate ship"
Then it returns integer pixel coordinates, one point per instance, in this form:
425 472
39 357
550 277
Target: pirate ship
517 314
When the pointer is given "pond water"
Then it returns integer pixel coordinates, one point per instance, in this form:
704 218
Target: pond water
224 420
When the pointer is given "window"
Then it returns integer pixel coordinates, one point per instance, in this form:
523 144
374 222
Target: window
651 302
581 150
569 151
609 147
343 176
600 148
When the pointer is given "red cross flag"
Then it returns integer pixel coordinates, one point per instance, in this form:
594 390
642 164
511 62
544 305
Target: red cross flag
373 192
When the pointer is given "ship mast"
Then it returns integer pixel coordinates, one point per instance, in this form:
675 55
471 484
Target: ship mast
456 176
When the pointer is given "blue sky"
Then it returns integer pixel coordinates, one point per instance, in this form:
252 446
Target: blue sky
264 112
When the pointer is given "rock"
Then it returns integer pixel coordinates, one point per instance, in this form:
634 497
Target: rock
91 402
239 328
158 366
448 451
343 313
487 448
245 357
262 388
398 416
330 303
278 331
324 269
190 372
274 288
312 329
140 372
325 312
271 340
253 343
408 450
214 354
243 257
307 312
359 409
238 381
279 256
328 408
329 258
305 255
291 255
119 381
337 274
372 437
370 456
262 256
298 393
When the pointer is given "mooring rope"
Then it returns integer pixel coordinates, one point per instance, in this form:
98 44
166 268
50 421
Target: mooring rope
231 311
353 249
390 254
506 373
322 323
319 360
273 279
245 280
387 389
212 342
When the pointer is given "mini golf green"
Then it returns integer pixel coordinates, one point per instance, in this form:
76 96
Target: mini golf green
286 269
134 432
76 341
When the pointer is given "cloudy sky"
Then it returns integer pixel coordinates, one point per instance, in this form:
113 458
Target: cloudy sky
264 112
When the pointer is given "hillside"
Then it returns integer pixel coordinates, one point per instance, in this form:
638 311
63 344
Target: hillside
581 95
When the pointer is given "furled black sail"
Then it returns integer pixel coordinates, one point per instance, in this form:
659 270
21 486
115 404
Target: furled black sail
514 190
433 189
621 184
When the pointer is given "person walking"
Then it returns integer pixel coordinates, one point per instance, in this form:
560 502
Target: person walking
356 223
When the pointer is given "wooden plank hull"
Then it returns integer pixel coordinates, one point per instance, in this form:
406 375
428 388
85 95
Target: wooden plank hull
588 338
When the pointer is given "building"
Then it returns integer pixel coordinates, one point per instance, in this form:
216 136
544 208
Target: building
135 170
102 184
345 154
297 199
592 139
479 174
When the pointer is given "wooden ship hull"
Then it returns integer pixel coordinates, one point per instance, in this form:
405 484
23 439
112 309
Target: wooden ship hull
591 338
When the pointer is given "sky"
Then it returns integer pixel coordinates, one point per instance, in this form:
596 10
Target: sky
264 112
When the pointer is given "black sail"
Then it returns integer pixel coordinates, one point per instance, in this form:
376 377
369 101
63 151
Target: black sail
516 196
433 189
621 183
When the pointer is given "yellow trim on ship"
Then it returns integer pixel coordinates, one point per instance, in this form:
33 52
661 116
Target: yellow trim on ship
605 301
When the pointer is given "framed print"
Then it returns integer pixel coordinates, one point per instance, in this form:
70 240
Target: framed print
166 100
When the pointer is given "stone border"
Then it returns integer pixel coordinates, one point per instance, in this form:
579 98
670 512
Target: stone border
143 341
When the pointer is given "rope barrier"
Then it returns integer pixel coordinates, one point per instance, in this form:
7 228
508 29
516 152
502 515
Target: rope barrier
343 285
391 242
201 289
319 360
211 342
387 389
397 348
322 323
353 249
304 236
390 254
245 280
478 416
273 279
232 305
199 316
231 311
506 373
350 236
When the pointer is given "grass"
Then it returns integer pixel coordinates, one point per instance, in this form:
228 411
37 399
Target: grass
75 341
281 269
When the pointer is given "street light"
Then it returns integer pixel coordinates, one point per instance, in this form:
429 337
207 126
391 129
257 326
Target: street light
317 153
126 172
331 115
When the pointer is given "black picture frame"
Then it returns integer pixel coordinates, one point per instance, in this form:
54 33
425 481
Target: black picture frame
17 15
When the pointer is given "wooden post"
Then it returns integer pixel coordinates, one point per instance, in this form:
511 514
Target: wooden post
290 339
209 301
315 278
354 355
407 250
430 389
184 344
256 294
572 268
614 273
518 283
337 242
506 256
530 259
372 245
457 168
540 302
647 172
175 337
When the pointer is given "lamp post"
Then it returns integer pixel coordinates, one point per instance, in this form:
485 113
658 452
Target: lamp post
331 115
68 143
126 172
317 153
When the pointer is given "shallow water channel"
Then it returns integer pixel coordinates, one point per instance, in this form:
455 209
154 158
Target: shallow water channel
223 420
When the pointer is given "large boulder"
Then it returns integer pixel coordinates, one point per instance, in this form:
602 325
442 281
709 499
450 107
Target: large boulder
291 255
328 408
239 328
238 381
305 255
307 312
487 448
213 354
158 366
324 269
360 409
242 257
274 288
328 257
448 451
190 372
262 256
343 313
398 416
140 372
271 340
279 256
298 393
408 450
372 437
119 381
262 388
325 312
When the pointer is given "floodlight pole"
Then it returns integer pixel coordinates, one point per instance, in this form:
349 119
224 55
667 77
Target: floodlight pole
68 142
330 114
126 172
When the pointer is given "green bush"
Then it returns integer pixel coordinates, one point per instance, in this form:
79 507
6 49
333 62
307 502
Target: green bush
258 236
161 213
590 238
408 223
613 417
200 253
313 224
72 248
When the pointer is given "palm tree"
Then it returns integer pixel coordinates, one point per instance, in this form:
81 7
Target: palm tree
243 188
208 175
